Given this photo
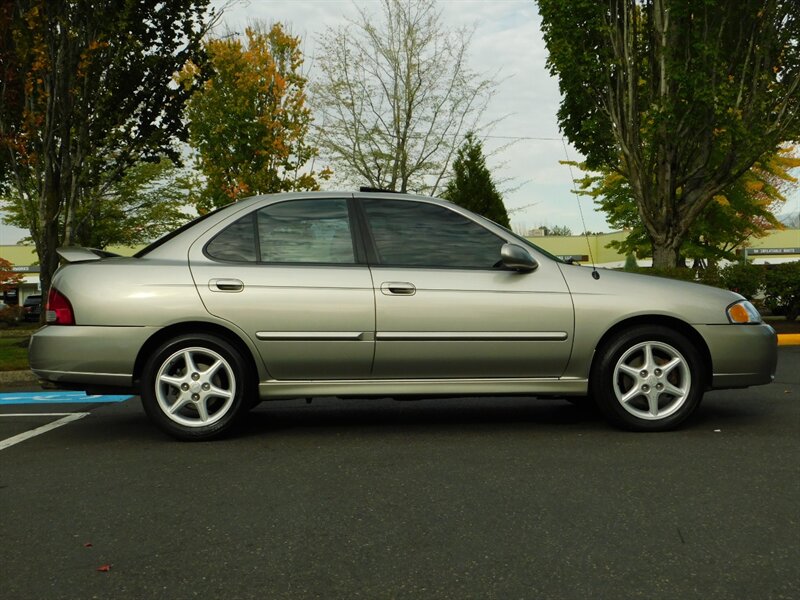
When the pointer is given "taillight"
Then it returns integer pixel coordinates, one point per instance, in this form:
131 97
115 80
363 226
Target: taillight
59 310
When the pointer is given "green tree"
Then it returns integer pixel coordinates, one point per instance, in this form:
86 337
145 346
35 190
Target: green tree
678 97
148 202
472 186
396 96
744 209
555 230
88 91
249 123
561 230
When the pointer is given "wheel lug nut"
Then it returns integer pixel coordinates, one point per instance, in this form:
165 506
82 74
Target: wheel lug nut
185 387
195 376
659 386
658 372
643 373
206 387
645 388
195 397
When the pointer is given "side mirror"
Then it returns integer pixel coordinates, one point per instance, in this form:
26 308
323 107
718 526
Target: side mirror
517 258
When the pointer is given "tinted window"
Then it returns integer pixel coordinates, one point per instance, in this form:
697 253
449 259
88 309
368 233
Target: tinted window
236 242
415 234
306 231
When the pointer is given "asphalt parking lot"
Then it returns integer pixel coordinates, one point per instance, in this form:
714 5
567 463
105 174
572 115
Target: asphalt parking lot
459 498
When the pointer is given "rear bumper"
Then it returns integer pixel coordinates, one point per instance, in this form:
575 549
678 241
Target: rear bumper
742 355
74 356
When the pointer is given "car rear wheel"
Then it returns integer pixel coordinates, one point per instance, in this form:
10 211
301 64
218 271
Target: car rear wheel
195 387
648 378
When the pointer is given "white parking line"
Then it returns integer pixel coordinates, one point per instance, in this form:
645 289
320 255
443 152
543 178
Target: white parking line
66 418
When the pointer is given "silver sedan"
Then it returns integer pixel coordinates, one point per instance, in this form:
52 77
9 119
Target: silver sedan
383 295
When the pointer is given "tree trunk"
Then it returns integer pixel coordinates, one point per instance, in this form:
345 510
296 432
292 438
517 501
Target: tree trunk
49 232
664 256
48 261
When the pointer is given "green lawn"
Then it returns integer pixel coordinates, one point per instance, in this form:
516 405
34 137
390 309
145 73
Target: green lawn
14 346
13 353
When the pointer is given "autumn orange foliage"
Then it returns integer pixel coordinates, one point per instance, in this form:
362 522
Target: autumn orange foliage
249 122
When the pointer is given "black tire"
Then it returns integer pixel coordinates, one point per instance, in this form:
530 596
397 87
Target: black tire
196 386
647 378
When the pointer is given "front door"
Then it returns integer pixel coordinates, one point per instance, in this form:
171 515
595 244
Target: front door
444 308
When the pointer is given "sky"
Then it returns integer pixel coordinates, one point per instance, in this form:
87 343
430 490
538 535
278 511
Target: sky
523 149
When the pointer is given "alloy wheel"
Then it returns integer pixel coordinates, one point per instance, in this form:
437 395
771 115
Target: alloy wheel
195 387
652 380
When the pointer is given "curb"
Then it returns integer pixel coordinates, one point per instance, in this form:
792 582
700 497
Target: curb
789 339
7 377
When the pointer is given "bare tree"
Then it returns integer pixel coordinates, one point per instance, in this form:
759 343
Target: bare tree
396 97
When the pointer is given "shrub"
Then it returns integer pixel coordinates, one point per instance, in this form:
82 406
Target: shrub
681 273
710 276
743 278
11 314
782 289
630 263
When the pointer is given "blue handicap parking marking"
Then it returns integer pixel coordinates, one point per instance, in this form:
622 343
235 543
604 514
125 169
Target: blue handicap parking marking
56 398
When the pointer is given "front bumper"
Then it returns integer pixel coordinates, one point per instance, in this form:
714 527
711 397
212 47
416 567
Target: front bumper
64 356
741 355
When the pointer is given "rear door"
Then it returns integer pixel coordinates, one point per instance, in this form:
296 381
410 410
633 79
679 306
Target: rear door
445 308
289 275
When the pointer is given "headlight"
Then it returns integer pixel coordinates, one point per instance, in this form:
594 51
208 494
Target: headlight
743 312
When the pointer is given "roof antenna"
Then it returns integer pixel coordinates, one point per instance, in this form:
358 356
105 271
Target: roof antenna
595 272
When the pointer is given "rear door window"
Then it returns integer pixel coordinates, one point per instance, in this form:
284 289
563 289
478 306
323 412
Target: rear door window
295 232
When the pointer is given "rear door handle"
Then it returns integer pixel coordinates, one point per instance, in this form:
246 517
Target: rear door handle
225 285
398 288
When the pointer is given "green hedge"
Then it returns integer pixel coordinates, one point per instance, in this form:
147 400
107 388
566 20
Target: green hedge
743 278
676 273
782 289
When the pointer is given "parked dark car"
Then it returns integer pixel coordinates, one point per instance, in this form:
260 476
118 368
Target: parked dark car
32 307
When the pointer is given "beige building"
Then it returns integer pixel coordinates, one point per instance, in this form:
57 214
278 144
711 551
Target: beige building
777 246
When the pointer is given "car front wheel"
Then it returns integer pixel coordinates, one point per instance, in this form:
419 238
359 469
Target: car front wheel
648 378
194 387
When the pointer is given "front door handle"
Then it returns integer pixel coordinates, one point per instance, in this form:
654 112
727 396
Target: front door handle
225 285
398 288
